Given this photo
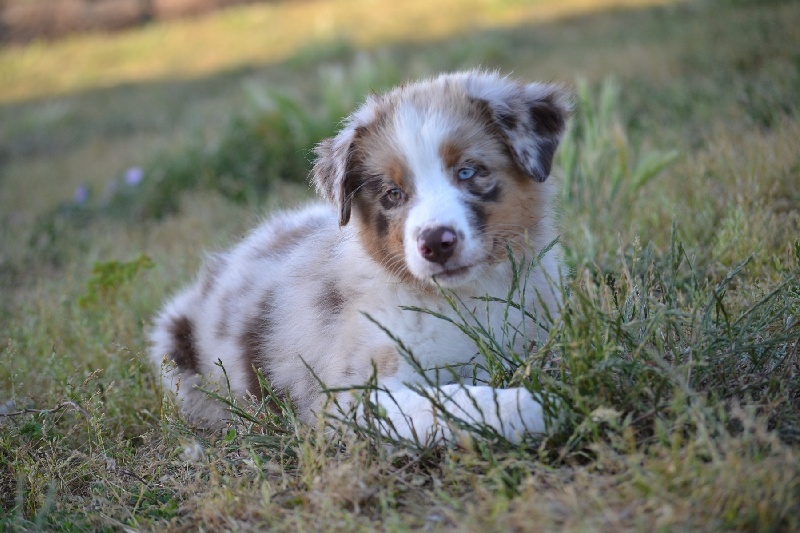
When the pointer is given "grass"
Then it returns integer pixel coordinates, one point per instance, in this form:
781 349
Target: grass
677 365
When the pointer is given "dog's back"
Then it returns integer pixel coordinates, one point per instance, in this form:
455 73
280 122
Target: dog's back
429 187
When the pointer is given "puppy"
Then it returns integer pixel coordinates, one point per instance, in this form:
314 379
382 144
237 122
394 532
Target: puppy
435 188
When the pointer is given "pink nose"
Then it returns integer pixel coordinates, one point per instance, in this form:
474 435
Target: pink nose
437 244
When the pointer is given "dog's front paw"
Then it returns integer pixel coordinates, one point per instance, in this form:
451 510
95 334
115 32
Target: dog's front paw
512 413
443 415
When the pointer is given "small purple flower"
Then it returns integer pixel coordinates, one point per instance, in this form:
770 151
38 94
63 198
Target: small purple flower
81 195
134 176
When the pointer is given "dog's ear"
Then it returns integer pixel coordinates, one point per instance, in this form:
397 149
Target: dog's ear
531 118
332 173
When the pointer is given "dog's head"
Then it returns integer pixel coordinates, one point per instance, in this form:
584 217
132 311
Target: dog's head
439 175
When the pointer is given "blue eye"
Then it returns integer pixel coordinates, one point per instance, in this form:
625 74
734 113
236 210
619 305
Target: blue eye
466 173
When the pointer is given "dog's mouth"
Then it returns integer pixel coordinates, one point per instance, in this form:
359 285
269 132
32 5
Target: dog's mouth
451 275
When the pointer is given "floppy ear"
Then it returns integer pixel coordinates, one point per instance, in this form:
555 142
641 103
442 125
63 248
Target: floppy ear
531 119
335 173
330 173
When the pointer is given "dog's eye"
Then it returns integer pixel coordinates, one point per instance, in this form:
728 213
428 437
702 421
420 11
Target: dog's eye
466 173
396 195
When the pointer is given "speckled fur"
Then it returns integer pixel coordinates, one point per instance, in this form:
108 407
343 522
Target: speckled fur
291 298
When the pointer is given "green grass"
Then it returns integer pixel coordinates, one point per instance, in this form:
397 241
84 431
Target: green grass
677 365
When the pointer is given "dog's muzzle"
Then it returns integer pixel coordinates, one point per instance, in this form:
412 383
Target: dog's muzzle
437 244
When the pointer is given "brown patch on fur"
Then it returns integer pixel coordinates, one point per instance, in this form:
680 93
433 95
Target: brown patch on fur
382 236
397 172
350 372
386 360
183 351
377 168
381 224
285 241
253 341
381 233
331 300
451 153
515 217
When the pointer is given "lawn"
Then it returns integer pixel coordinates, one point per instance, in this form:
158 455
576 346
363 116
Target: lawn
124 157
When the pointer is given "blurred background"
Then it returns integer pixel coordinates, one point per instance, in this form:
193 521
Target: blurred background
26 20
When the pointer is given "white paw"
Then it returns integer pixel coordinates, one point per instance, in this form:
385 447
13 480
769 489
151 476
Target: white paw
417 416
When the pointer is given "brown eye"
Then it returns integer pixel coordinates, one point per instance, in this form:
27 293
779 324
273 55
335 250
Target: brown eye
395 195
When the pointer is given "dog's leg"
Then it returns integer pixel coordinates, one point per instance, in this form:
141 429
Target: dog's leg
417 414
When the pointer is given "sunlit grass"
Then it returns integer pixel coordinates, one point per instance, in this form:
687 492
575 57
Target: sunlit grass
257 34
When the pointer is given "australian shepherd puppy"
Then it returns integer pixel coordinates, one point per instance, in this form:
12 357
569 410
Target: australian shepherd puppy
431 189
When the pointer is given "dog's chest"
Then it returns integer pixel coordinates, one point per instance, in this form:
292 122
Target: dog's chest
433 331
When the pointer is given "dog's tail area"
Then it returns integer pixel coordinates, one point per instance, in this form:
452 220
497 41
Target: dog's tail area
176 356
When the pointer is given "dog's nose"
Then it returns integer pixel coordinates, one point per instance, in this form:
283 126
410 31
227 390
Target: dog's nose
437 244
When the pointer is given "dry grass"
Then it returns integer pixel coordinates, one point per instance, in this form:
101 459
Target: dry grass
678 366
